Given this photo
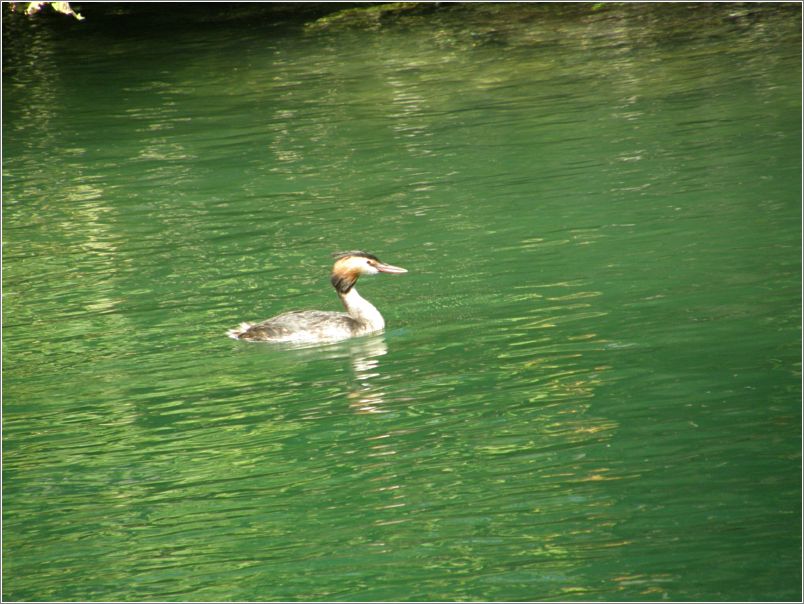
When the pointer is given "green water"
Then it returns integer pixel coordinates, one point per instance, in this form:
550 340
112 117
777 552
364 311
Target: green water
589 386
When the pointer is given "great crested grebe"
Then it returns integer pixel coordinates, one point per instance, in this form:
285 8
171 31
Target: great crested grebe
360 318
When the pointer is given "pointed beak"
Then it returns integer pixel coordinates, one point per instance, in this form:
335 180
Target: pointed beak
394 270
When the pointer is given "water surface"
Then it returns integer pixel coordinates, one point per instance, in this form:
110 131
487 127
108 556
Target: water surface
589 387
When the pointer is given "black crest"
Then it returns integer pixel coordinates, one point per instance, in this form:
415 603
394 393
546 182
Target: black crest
358 253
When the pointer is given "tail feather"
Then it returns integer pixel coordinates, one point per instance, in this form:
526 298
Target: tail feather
238 332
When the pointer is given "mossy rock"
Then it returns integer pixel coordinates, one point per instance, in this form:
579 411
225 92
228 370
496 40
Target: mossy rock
372 16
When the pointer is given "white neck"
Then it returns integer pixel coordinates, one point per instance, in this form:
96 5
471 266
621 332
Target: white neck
362 311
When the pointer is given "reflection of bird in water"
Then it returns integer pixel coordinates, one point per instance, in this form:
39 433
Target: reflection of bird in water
366 396
310 326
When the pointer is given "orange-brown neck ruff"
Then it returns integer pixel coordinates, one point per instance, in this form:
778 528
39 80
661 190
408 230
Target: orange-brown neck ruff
343 282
